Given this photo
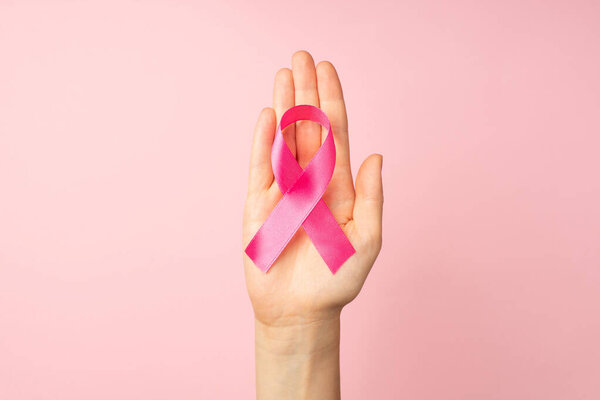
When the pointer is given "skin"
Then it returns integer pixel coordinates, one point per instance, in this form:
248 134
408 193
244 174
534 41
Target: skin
297 304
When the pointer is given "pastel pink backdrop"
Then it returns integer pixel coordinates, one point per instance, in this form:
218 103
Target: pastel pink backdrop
124 136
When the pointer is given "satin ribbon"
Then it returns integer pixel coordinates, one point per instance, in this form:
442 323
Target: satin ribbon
301 204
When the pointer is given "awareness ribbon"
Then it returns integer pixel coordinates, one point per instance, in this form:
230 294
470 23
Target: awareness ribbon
301 204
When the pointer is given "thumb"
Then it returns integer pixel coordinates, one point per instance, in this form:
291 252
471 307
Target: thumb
368 205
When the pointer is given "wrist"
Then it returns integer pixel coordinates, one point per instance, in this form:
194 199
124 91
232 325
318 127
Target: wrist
300 336
299 360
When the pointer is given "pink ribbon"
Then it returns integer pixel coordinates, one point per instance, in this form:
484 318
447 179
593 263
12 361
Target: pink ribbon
301 204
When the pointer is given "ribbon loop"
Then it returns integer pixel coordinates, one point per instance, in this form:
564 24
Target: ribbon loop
301 204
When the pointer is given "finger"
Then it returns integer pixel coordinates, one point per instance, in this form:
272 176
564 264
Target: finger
331 100
261 173
283 99
340 193
368 207
308 133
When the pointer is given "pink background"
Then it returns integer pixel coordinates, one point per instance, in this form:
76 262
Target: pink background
124 136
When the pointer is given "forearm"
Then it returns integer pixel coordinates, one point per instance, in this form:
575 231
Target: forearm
299 361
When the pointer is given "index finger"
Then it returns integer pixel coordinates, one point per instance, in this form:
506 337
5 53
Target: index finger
332 102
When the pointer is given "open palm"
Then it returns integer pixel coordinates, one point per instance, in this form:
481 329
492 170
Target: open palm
299 287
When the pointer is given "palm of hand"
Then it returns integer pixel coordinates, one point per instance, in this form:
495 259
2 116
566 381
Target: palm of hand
299 287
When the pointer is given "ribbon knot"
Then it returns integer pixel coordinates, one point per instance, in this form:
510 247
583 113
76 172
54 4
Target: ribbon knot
302 203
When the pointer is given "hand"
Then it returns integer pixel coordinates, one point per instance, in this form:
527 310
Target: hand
297 303
299 288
